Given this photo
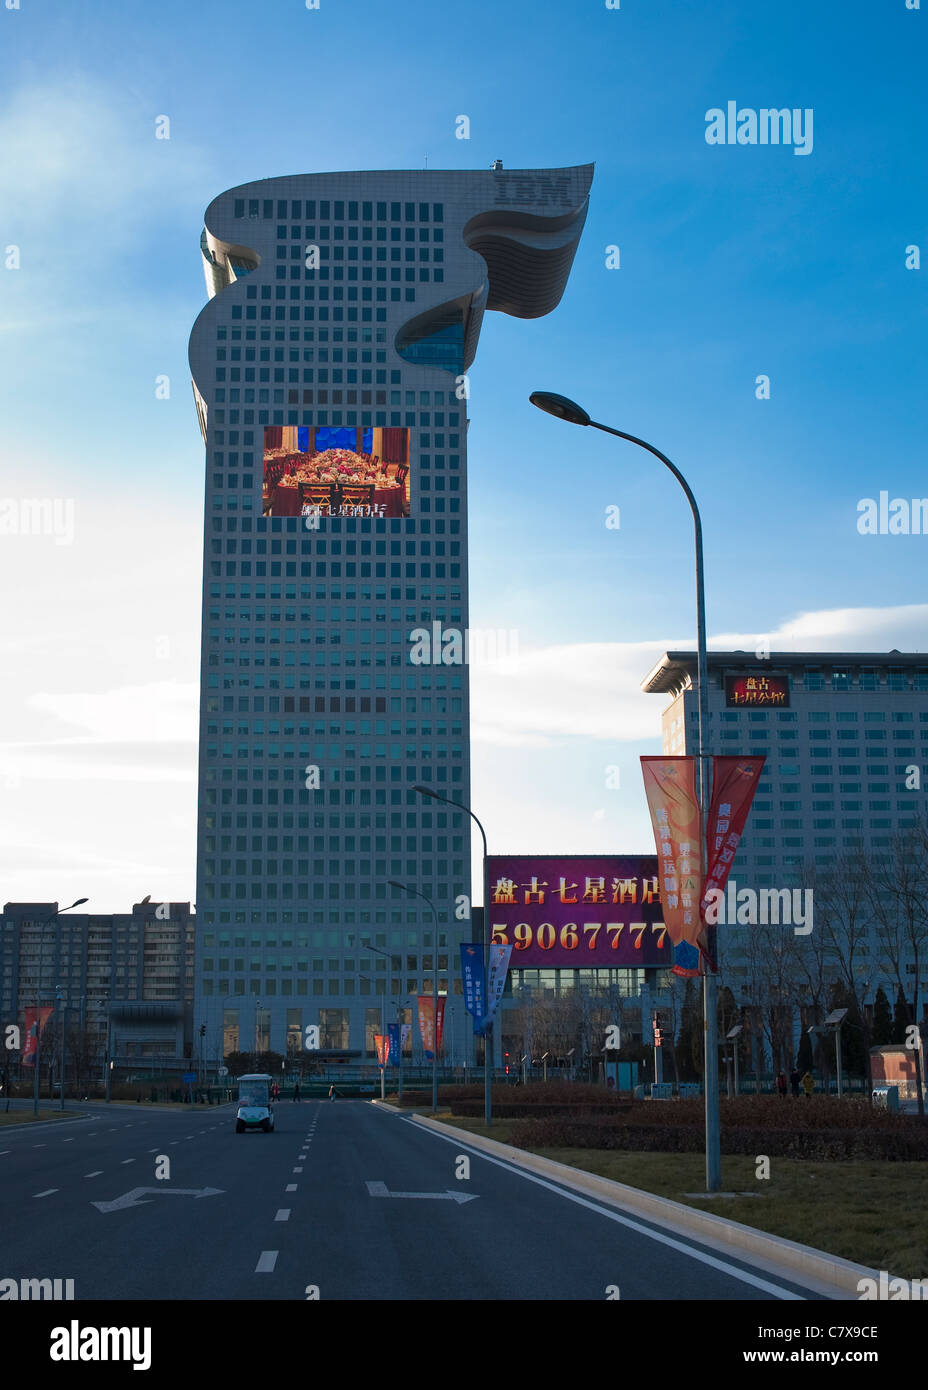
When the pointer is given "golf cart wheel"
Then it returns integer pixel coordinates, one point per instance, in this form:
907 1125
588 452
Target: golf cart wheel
266 1126
239 1126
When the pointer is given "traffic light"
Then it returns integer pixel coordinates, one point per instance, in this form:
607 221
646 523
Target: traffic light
202 1030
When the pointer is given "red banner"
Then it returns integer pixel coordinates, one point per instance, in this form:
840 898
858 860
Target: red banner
382 1044
734 782
426 1030
28 1057
670 786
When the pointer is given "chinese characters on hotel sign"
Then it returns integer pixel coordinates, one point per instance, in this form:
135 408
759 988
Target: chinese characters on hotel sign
757 691
578 911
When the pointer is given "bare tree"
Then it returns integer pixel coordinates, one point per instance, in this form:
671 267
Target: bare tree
897 886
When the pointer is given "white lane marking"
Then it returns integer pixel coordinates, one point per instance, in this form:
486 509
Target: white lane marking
47 1193
283 1214
266 1263
380 1189
67 1141
38 1146
111 1131
128 1160
296 1170
152 1151
291 1187
94 1175
92 1132
6 1151
710 1260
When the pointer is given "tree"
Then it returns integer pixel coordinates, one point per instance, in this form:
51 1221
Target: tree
900 1019
689 1044
898 888
882 1029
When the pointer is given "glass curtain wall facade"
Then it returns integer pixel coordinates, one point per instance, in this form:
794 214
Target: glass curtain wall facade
329 375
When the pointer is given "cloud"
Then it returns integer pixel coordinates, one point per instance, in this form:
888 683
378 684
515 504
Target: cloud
592 690
162 711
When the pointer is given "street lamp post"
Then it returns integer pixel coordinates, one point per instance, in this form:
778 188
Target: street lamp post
568 410
383 1034
38 1010
488 1034
418 894
387 956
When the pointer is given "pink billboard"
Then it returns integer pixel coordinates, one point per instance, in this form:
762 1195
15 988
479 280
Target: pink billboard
578 911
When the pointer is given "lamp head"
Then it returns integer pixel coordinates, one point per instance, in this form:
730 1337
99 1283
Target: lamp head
561 406
426 791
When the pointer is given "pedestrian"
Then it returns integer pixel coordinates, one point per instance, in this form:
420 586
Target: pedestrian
781 1084
275 1092
296 1091
808 1083
794 1080
332 1091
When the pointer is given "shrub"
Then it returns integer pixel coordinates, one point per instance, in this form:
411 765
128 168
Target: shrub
823 1144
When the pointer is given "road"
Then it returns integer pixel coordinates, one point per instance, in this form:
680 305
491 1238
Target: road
315 1207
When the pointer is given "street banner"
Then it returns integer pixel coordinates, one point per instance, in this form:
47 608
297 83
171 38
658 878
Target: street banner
405 1030
381 1043
393 1035
440 1023
499 966
670 787
28 1057
734 782
474 979
426 1030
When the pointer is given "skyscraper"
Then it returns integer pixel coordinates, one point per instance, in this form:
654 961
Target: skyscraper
329 373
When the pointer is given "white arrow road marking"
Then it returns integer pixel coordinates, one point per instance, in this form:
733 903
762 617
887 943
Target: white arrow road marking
131 1199
379 1189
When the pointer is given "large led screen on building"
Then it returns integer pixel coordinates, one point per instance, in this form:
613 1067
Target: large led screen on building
578 911
324 470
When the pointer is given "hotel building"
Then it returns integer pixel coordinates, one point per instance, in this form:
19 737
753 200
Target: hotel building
842 733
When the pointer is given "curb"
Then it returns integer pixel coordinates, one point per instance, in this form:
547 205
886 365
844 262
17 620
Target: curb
841 1277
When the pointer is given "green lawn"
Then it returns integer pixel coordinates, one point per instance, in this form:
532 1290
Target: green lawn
873 1213
21 1117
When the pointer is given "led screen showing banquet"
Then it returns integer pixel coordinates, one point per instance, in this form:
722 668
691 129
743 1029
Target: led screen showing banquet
576 911
328 471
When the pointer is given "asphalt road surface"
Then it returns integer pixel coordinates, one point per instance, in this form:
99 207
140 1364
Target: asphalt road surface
344 1198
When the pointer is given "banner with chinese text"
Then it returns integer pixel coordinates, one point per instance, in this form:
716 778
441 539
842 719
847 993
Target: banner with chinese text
28 1057
670 787
734 782
474 979
426 1030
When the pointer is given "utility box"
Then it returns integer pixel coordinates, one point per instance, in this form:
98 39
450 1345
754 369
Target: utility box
661 1090
689 1089
886 1097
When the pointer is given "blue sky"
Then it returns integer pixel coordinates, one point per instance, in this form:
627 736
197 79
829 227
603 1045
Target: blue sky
736 261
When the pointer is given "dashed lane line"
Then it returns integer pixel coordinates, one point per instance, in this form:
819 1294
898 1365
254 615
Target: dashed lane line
266 1262
47 1193
94 1175
283 1214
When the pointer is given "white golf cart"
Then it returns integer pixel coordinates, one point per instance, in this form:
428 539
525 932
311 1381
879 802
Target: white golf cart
254 1103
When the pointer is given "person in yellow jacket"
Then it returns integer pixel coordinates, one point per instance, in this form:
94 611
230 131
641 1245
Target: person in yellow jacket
808 1083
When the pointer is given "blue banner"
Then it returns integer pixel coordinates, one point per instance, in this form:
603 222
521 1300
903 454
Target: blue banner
474 979
393 1053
